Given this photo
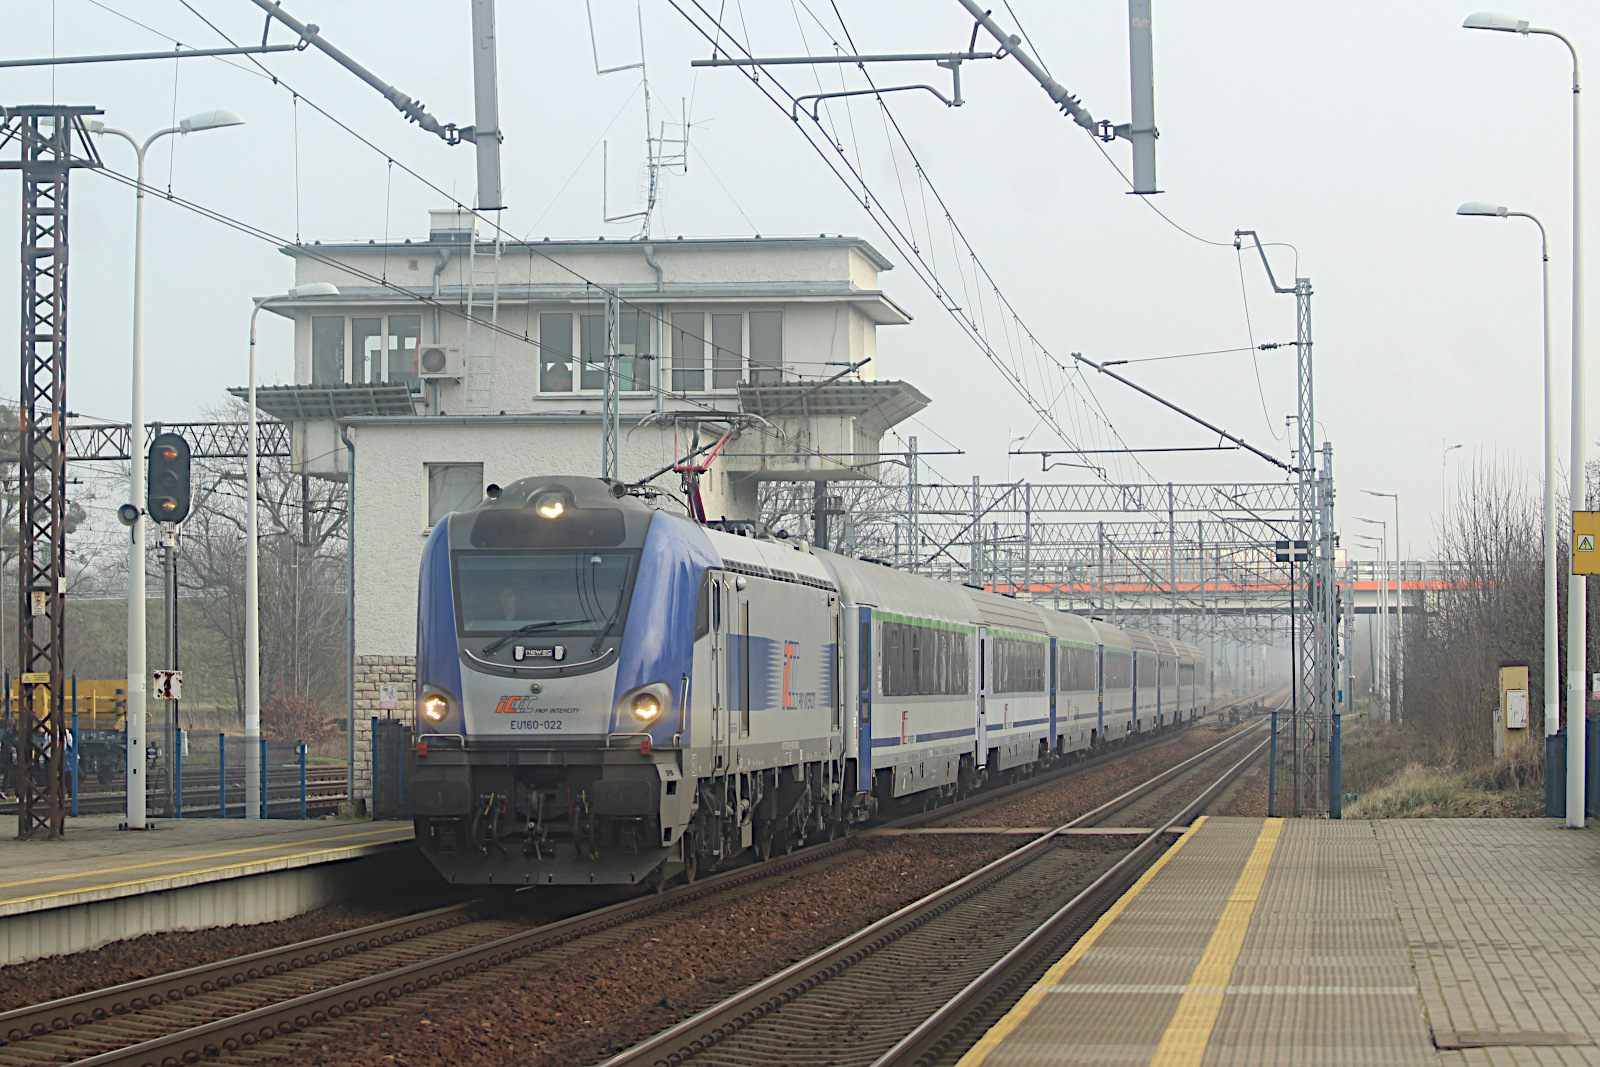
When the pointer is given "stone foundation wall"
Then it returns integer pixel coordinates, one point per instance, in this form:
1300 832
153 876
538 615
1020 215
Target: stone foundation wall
371 672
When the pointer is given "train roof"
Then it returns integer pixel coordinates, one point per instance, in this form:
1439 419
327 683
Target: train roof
1005 613
874 585
1112 636
783 560
1070 627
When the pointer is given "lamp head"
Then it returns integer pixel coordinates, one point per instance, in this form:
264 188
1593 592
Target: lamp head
210 120
1482 207
1493 20
300 292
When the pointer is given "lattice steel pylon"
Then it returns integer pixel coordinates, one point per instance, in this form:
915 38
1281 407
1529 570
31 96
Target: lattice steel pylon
51 140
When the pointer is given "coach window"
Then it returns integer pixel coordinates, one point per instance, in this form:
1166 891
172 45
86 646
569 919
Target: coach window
453 487
327 350
555 352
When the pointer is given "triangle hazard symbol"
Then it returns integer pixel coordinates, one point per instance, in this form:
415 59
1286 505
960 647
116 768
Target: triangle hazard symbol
1586 543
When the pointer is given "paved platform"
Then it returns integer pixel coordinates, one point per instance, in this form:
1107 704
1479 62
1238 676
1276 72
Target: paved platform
1261 941
102 884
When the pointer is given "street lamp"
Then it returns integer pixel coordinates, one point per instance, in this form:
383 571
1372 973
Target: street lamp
1577 624
1385 644
1552 651
253 807
1444 475
1399 613
137 673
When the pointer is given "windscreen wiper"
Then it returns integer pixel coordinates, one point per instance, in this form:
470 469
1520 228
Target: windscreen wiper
532 627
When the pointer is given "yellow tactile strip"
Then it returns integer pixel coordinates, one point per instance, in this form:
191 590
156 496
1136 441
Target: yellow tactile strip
1186 1037
351 842
992 1041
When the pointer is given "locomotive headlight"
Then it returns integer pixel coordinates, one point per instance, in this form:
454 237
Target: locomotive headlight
435 708
551 505
646 707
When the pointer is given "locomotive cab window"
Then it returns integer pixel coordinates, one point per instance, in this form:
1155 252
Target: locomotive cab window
542 593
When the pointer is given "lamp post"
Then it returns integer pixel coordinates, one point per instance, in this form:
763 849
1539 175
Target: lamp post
137 673
254 808
1552 651
1577 622
1386 643
1399 614
1444 475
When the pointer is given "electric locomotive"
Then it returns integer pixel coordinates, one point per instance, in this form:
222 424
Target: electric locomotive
612 694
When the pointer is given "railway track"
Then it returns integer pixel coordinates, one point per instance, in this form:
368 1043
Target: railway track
238 1004
913 986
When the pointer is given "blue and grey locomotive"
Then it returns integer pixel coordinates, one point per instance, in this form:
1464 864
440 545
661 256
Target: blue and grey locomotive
610 693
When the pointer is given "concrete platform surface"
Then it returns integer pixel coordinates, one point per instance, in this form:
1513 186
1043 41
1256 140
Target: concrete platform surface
1407 942
102 884
97 861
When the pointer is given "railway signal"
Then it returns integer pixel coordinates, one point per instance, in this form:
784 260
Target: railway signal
168 495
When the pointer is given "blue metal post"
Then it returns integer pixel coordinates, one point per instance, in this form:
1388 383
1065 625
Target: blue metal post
1335 774
222 775
1272 769
177 774
266 812
75 744
302 779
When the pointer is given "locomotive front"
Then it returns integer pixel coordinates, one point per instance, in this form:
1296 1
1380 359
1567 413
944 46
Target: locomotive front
554 649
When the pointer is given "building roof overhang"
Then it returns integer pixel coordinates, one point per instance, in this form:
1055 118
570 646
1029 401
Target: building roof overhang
455 241
872 303
298 403
875 405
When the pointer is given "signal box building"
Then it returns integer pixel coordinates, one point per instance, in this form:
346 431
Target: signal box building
438 369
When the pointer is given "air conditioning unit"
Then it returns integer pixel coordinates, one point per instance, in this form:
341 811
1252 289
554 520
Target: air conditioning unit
440 361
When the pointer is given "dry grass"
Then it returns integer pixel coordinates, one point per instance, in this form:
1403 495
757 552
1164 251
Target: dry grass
1396 774
1510 787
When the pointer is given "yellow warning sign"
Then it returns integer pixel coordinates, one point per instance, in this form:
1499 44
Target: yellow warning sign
1585 531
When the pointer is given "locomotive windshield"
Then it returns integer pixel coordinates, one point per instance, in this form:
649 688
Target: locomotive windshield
500 593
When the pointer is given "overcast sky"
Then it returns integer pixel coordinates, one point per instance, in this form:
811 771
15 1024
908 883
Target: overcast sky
1350 130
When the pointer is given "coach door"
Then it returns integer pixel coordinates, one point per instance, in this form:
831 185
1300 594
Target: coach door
719 679
983 694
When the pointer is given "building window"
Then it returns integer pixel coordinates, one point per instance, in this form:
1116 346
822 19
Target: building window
453 487
633 341
405 338
727 353
555 352
327 350
688 352
766 347
366 341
